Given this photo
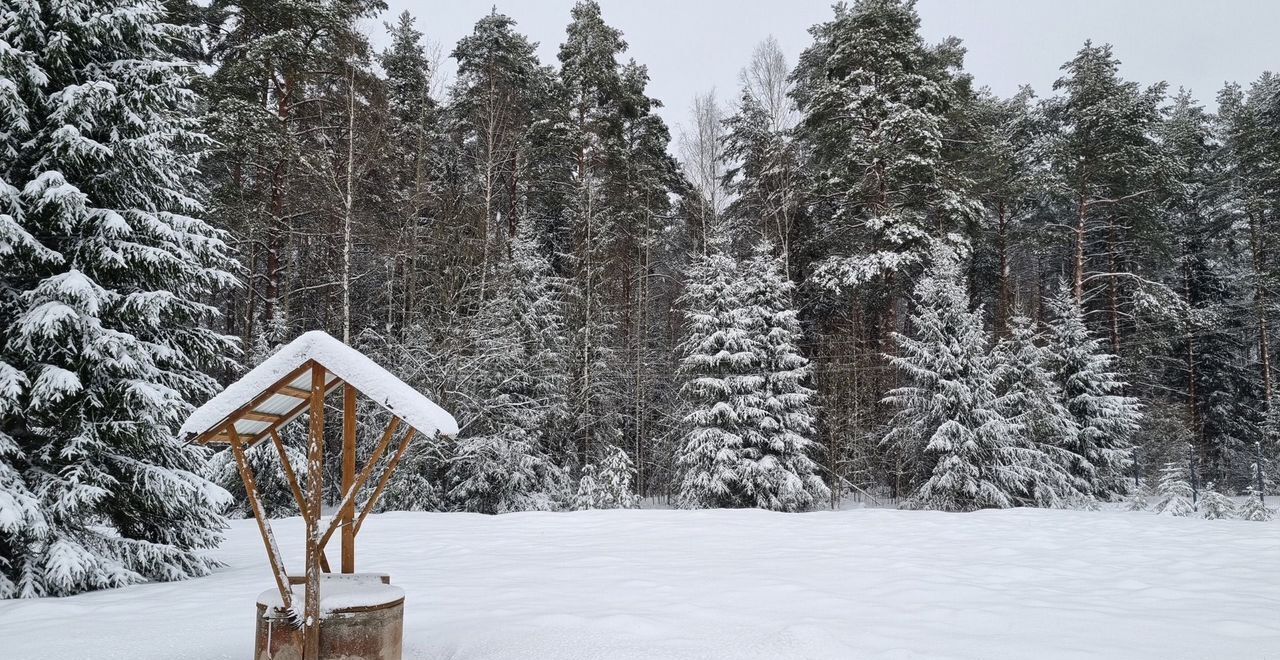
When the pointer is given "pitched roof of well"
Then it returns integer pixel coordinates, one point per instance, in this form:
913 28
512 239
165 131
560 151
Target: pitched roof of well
274 393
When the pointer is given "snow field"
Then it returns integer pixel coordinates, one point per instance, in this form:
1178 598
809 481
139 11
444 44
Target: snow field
736 584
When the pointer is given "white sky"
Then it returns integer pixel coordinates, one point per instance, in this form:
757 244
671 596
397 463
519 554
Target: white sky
691 46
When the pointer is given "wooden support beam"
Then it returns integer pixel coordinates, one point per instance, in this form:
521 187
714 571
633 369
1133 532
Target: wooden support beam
297 393
315 498
384 479
264 525
297 490
261 417
349 496
348 512
290 475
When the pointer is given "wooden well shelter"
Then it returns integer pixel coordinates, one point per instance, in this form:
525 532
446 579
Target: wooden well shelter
294 382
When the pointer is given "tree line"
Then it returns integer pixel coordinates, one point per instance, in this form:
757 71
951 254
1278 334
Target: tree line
865 275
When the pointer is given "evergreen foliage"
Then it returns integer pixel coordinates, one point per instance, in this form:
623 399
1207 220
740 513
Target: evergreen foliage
874 100
106 270
1214 505
504 460
608 485
1032 398
1174 492
1101 452
719 390
965 454
1255 509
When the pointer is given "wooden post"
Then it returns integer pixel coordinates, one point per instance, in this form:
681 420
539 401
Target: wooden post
264 526
315 497
348 477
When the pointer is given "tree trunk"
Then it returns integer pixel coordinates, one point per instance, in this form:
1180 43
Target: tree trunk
1002 247
1082 212
1113 286
1260 309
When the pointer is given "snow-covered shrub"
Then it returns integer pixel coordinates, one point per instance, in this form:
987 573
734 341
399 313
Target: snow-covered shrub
1214 505
1174 492
1255 509
608 486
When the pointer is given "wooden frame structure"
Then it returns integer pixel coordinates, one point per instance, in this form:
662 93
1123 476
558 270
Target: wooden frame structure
251 412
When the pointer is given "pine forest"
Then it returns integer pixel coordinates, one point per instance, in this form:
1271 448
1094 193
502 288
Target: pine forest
859 276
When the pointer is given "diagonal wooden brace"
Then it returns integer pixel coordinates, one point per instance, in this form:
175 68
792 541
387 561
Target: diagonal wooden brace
292 477
348 499
260 515
384 479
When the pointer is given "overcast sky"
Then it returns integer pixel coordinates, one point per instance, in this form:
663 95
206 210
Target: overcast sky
691 46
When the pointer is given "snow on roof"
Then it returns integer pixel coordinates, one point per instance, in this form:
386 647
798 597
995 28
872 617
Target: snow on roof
342 363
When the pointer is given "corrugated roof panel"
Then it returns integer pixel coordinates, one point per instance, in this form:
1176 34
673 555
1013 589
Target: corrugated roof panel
278 405
249 427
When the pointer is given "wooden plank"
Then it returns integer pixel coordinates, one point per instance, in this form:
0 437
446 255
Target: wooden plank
221 427
348 512
349 495
261 416
315 496
264 525
290 475
384 479
295 392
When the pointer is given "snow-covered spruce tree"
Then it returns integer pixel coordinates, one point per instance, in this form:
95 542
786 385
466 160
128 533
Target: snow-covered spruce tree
1255 509
1092 391
779 444
103 265
1174 491
1140 499
966 455
502 462
1031 397
607 485
721 388
269 477
1214 505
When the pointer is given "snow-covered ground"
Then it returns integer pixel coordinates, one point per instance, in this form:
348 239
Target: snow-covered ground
737 584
